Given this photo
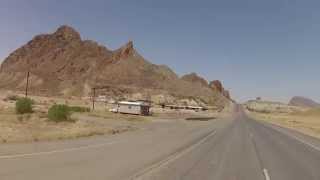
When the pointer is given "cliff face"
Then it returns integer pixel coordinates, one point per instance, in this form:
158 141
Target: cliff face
62 63
216 84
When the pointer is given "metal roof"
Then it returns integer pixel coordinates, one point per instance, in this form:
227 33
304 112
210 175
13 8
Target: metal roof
134 103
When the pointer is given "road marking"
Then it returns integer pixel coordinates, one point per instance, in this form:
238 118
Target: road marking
266 174
302 141
293 136
57 151
151 169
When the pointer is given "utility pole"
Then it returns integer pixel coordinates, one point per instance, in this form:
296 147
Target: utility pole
27 86
93 97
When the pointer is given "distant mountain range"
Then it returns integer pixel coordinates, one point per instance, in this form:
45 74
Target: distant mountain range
62 64
303 102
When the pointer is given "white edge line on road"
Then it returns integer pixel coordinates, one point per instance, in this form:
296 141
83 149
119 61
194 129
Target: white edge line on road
288 134
266 174
56 151
306 143
295 137
171 158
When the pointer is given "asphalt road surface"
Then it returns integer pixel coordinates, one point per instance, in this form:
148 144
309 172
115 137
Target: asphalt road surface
235 149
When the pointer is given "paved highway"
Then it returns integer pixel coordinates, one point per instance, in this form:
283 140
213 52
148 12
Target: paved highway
237 149
247 150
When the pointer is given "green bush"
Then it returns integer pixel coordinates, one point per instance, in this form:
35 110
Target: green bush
79 109
59 113
24 105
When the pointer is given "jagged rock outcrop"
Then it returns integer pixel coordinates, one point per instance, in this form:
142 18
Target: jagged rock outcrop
62 63
216 84
195 78
226 94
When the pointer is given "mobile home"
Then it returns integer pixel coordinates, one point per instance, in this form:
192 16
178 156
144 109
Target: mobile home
133 107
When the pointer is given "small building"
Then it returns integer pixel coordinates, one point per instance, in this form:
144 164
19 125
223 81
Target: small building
178 107
133 107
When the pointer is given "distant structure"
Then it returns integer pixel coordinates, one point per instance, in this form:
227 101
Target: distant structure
258 98
195 108
133 107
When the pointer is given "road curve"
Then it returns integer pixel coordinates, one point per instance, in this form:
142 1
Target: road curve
237 149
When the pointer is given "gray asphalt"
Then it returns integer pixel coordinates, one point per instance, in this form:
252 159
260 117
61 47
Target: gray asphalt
237 149
248 150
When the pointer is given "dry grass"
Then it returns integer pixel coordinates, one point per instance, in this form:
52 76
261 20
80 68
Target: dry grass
36 127
307 122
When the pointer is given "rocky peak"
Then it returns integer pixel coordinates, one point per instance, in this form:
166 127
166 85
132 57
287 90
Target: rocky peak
129 45
195 78
67 33
125 51
216 84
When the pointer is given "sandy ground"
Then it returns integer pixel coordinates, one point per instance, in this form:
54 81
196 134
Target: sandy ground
307 122
36 127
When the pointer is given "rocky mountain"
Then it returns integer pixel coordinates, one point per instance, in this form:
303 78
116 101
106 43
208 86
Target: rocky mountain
62 64
217 85
303 102
195 78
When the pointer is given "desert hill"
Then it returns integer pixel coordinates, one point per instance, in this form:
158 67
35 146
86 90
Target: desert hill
62 64
217 85
303 102
196 79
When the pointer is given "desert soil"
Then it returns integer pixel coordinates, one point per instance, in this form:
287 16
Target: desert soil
36 127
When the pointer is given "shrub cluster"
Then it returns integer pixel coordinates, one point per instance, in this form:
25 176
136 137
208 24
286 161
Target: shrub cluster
24 105
59 113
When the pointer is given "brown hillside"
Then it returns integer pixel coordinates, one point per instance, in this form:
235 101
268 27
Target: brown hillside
194 78
217 85
62 63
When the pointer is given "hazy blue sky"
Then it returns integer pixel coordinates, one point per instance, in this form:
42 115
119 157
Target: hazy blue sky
268 48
